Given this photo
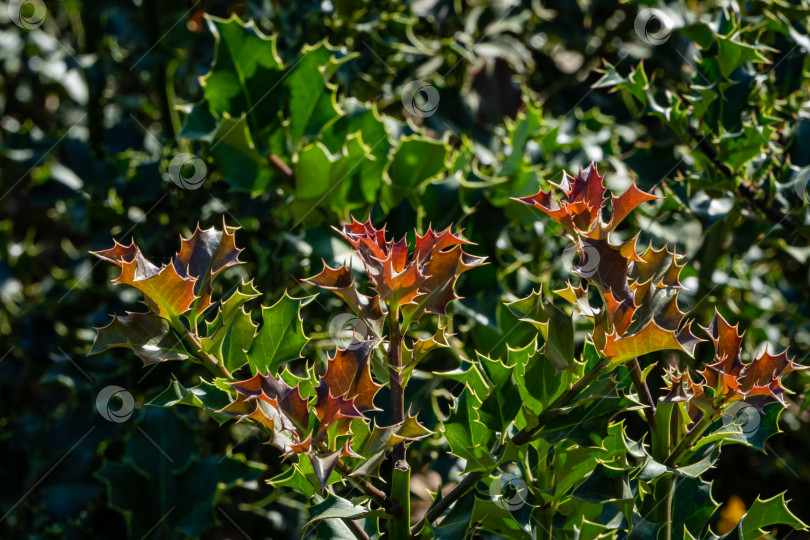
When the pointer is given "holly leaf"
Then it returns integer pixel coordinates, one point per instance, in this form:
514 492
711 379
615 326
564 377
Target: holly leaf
500 407
773 511
334 507
205 396
166 292
294 479
605 484
555 326
496 517
312 99
281 337
539 380
468 438
649 339
414 162
245 75
229 344
149 336
331 408
205 254
348 374
286 400
340 281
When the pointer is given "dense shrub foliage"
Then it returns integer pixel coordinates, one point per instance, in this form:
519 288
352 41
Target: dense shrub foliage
536 399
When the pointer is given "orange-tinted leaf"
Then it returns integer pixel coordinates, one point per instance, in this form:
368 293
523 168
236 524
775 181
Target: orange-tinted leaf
627 202
422 280
166 292
284 398
331 408
649 339
765 369
580 212
342 283
348 374
727 342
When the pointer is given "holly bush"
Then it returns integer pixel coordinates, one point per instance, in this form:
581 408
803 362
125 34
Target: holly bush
538 432
507 359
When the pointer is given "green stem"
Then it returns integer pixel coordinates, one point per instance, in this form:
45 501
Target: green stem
661 443
399 528
194 346
664 490
546 519
686 443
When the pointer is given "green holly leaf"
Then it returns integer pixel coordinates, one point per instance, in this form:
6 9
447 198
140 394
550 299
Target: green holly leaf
237 158
228 308
539 380
312 167
469 438
605 484
295 479
231 341
773 511
555 326
586 420
203 396
245 75
334 507
414 162
455 523
500 407
313 101
159 459
496 517
281 337
733 53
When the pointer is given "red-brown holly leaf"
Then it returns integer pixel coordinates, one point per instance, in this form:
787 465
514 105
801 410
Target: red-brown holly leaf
442 270
420 282
204 255
340 281
166 292
348 374
149 336
285 399
765 369
627 202
580 212
727 344
266 414
330 409
607 266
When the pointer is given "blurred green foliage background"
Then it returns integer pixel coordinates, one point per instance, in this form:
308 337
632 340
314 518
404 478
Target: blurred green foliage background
706 102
